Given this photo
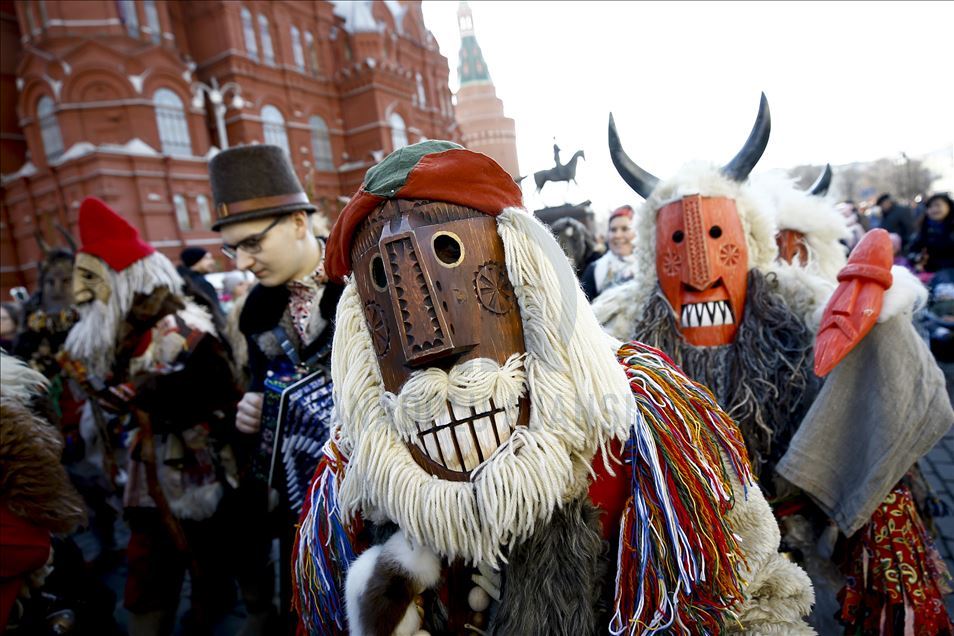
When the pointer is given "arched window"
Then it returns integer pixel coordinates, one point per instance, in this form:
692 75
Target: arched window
312 52
398 131
421 94
205 216
152 19
49 128
129 17
248 29
297 52
263 33
182 212
273 128
321 144
172 124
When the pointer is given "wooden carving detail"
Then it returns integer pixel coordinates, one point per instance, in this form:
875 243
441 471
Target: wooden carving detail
413 296
493 288
380 334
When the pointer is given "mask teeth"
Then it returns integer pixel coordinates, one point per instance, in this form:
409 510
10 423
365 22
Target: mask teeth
709 314
465 437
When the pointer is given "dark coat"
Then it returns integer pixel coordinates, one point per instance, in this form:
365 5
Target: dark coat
898 220
267 308
936 241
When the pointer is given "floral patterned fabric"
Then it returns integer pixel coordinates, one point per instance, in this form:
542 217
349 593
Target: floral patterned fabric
302 301
895 577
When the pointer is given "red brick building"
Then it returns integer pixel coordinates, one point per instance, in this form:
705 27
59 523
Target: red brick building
126 100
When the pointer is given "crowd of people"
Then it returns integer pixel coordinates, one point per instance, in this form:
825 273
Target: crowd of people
439 416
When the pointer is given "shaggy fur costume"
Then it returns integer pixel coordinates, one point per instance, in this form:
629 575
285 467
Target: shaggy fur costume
553 580
763 379
33 482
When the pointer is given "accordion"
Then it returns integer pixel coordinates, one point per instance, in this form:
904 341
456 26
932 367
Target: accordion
296 417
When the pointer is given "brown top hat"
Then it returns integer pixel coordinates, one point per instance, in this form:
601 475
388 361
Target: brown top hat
253 182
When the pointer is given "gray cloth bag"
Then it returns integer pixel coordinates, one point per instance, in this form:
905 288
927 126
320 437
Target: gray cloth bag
880 410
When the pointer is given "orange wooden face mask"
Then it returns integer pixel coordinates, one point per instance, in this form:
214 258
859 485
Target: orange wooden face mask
791 247
702 263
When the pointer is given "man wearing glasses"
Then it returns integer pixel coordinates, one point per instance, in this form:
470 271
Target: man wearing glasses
268 228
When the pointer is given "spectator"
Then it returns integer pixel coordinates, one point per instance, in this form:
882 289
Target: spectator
235 285
896 219
933 247
196 263
268 227
848 210
618 264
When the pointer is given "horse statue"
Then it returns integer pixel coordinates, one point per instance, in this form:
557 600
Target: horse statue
561 172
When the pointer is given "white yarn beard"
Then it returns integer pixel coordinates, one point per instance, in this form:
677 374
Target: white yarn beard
579 400
92 340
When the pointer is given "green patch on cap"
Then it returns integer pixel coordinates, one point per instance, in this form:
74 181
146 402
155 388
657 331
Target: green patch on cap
389 176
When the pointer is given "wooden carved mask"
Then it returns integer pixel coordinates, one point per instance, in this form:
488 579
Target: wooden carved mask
702 264
791 247
434 286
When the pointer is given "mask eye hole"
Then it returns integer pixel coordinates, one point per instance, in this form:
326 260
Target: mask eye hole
677 236
378 277
715 231
448 249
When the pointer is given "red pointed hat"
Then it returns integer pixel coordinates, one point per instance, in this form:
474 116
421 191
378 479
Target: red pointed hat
433 170
106 235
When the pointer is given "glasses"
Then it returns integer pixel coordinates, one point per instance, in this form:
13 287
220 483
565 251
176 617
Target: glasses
251 244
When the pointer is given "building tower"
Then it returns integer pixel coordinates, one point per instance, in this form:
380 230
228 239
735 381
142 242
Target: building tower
480 113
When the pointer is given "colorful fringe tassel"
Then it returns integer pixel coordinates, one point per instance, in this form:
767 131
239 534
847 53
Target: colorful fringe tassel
323 552
679 560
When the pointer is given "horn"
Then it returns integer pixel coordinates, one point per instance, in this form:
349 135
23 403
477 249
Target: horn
741 165
822 183
44 246
638 179
67 236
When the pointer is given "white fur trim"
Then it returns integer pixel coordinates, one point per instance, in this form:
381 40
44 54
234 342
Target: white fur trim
815 217
196 503
410 623
356 582
806 292
617 311
778 593
420 563
197 317
18 381
905 296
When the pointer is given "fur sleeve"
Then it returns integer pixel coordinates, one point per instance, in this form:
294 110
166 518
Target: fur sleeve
33 482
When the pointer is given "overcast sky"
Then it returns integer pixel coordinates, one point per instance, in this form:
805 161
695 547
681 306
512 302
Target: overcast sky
845 81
